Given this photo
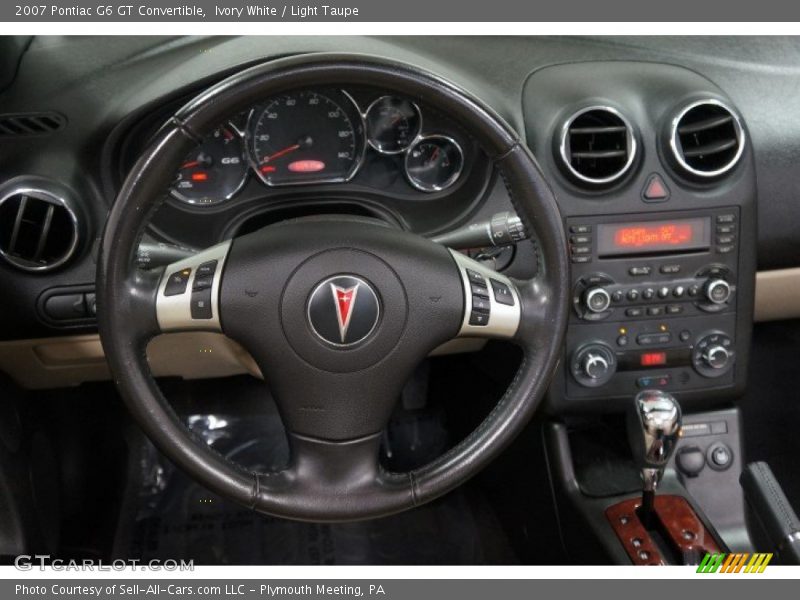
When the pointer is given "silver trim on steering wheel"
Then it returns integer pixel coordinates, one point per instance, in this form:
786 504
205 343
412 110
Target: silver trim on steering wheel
174 312
503 319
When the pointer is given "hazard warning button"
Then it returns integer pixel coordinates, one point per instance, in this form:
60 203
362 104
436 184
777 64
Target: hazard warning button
655 190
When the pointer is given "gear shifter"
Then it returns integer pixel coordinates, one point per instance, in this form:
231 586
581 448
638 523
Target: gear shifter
654 427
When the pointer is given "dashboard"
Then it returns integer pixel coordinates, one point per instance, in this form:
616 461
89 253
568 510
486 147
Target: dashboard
656 149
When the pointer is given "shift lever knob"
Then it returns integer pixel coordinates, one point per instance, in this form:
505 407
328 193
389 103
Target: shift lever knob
654 427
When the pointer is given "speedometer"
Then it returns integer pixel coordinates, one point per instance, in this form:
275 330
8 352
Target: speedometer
306 137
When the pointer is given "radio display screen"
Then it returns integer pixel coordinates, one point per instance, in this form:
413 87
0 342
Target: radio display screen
650 237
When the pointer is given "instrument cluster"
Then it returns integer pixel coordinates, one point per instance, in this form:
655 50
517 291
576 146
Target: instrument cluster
320 136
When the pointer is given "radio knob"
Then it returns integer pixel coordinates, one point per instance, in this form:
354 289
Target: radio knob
718 291
597 300
717 357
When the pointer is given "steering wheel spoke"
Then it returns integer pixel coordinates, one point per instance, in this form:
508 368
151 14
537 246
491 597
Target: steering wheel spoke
492 307
188 292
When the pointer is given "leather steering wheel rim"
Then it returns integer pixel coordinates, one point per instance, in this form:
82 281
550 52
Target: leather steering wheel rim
326 482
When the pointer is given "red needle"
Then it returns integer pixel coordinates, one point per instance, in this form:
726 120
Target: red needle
282 152
191 164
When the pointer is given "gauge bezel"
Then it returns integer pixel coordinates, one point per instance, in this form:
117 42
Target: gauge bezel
414 139
235 130
453 178
357 164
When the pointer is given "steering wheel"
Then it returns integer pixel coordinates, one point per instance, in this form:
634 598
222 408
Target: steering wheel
337 312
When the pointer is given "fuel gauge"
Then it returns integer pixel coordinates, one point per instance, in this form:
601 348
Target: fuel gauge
434 163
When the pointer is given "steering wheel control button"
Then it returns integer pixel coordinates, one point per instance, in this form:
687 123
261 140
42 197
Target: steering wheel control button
201 304
475 278
177 282
481 305
480 290
207 269
502 293
479 319
719 456
343 310
690 460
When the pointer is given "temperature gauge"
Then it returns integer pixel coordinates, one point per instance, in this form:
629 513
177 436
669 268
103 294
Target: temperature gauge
434 163
214 172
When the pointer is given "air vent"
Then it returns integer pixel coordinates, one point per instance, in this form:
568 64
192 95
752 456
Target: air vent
38 232
30 124
707 138
597 145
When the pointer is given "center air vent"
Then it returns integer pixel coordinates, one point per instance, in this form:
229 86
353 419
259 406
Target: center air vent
597 145
38 232
707 138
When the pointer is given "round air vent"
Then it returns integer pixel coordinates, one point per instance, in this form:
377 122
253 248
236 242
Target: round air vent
597 145
38 231
706 138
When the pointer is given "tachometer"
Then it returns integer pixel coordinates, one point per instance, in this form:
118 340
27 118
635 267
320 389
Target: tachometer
214 172
392 124
306 137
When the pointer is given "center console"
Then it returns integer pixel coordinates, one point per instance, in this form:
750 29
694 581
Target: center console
655 179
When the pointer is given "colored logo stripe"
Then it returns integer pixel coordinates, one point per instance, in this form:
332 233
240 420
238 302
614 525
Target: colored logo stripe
734 563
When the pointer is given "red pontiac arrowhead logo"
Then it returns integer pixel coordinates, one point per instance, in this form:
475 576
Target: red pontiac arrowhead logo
345 298
343 310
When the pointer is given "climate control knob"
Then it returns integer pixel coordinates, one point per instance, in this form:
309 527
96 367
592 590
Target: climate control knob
597 300
717 291
717 357
713 355
593 365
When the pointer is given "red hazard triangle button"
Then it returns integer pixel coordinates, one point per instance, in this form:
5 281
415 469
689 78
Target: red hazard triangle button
655 190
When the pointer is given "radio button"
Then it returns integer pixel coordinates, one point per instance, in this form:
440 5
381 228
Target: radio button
725 249
648 293
663 292
725 228
634 312
674 309
655 311
580 239
580 228
694 290
633 295
725 239
617 296
726 218
581 250
679 291
581 259
639 271
684 335
670 269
